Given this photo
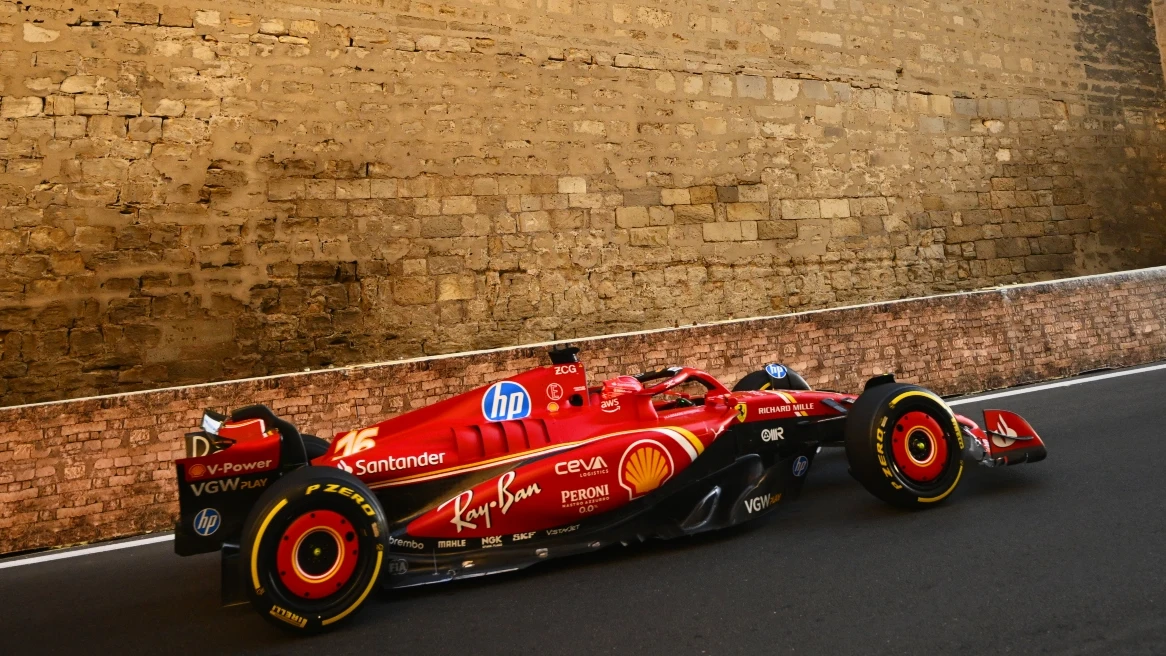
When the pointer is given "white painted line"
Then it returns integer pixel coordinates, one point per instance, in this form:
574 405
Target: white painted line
153 539
1064 383
73 553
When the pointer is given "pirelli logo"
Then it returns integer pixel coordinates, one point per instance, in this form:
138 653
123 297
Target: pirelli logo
288 616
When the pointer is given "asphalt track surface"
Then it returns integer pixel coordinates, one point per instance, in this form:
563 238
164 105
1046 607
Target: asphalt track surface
1066 556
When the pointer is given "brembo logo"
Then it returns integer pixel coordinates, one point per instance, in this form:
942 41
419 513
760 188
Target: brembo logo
582 466
229 468
408 544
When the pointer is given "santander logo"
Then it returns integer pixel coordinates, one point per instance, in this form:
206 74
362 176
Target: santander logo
1004 429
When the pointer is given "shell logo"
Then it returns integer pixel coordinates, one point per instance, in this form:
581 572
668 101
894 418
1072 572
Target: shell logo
645 466
198 471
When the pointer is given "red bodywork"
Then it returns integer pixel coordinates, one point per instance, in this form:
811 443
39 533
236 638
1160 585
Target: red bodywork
545 443
592 449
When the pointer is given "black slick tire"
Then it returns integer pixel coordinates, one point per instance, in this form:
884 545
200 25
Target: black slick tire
879 460
308 519
315 446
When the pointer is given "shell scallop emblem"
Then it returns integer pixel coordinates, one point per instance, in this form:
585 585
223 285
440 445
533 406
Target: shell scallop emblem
645 466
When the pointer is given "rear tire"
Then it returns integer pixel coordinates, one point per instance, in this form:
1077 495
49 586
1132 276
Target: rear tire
904 445
773 376
315 447
312 549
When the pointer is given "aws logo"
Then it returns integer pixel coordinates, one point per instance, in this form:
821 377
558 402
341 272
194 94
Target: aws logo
645 466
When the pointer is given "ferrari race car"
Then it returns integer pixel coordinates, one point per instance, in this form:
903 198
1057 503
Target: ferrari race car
542 465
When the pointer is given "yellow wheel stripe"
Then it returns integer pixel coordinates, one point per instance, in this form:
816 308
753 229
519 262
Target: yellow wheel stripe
928 395
371 582
959 472
959 438
259 541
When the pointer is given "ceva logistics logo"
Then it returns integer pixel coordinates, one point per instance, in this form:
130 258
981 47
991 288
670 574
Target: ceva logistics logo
506 400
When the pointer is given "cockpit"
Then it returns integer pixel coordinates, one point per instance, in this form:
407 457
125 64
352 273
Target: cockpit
660 392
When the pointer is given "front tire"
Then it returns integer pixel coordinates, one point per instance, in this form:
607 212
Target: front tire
312 549
904 445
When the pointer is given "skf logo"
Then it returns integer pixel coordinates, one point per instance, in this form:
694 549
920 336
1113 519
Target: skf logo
742 411
505 400
645 466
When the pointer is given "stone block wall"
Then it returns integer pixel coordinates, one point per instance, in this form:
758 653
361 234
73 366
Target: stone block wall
200 191
99 468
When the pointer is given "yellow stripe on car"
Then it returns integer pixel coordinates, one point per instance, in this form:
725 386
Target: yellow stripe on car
696 443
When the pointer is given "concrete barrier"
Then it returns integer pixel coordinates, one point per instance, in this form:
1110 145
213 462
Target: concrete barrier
101 467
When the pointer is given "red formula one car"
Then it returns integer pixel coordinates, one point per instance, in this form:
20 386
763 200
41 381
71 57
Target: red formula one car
542 465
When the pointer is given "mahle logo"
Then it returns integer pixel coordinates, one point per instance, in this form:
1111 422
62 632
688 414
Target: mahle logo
506 400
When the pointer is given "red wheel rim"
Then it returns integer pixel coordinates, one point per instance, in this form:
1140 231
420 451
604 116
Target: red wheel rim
919 448
317 554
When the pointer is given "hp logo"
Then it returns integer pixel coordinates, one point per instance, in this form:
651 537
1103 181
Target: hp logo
775 370
801 465
207 521
506 400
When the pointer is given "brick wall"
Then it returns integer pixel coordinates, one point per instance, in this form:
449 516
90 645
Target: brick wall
99 468
206 190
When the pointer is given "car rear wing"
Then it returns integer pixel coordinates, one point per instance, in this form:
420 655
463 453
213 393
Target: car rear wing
228 464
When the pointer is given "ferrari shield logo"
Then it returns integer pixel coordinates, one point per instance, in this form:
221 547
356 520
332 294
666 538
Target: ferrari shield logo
742 410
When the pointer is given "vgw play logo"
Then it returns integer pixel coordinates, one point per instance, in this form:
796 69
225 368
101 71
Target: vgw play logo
506 400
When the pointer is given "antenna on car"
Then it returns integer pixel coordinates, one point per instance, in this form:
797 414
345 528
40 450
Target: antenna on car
566 355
